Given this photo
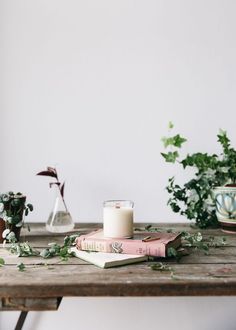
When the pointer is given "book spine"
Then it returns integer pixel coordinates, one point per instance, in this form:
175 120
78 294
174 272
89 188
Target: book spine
93 245
138 248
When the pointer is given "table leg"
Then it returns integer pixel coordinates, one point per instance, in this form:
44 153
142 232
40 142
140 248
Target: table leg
21 320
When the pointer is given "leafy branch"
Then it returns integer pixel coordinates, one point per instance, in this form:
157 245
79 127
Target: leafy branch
54 249
195 241
52 172
194 199
63 251
159 266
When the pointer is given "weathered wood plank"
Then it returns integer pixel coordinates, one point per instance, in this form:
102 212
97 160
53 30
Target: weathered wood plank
29 304
132 280
39 238
219 255
196 274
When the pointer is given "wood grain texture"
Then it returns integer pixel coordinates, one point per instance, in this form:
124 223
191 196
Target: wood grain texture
29 304
196 275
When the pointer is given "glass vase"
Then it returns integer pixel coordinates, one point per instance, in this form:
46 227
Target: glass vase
59 220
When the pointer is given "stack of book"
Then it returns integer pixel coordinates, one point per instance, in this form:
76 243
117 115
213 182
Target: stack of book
108 252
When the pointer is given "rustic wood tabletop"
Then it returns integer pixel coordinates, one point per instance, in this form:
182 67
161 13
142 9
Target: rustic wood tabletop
45 281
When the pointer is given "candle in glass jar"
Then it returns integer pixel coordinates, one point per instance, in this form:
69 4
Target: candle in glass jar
118 219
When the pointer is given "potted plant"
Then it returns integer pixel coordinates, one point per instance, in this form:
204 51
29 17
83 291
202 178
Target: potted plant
225 198
13 208
196 199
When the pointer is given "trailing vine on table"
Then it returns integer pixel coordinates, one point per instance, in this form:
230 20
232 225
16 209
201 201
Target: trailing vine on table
190 242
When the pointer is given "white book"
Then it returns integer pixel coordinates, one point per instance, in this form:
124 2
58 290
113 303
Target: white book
106 260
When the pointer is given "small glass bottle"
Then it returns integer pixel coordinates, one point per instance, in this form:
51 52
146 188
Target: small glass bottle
60 220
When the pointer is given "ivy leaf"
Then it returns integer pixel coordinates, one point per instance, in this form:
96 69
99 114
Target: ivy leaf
175 208
178 141
62 251
175 141
2 262
30 206
70 240
45 253
170 157
224 140
172 252
170 125
202 161
21 267
23 249
159 266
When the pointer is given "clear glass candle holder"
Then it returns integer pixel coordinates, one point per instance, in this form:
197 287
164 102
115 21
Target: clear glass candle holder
118 218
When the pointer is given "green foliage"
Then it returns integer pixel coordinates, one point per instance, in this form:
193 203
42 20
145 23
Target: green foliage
159 266
170 125
197 242
21 267
175 141
194 199
54 249
170 157
194 241
13 207
172 252
23 249
2 262
63 251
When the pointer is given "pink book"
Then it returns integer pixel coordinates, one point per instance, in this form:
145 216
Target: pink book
149 244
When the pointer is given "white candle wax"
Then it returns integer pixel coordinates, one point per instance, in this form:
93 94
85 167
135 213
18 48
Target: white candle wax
118 221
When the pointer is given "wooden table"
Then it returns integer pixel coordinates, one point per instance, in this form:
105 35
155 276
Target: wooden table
46 281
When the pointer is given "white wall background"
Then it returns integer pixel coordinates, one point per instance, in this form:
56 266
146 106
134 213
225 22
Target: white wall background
90 86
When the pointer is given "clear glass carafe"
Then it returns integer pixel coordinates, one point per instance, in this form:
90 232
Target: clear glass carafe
60 220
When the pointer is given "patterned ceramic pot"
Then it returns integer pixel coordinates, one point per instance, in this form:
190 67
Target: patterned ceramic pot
225 201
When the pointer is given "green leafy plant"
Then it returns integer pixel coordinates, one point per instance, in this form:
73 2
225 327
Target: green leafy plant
2 262
13 208
189 241
63 251
194 199
21 267
23 249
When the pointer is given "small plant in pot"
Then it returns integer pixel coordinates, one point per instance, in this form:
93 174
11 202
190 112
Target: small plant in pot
198 199
225 198
13 208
